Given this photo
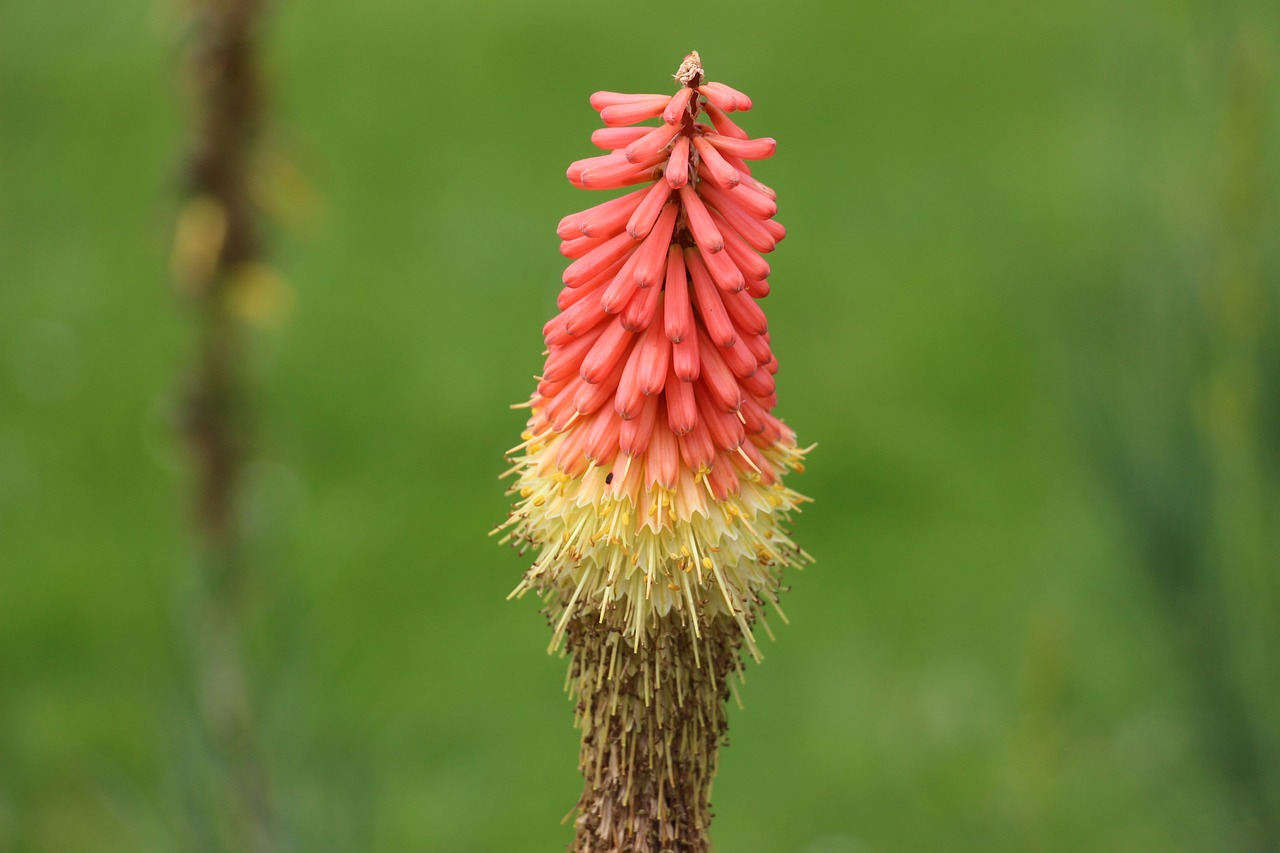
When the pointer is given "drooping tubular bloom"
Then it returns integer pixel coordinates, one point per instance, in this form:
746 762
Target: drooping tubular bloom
650 473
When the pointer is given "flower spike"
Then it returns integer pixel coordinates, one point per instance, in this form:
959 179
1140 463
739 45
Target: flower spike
650 476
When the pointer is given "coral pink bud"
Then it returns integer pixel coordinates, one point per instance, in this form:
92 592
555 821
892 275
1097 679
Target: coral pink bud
588 397
760 383
697 449
579 246
707 297
546 390
564 361
633 437
718 380
654 351
725 272
750 229
771 429
685 360
590 315
723 479
725 428
747 149
662 460
746 315
602 438
598 259
744 177
758 289
620 291
570 296
577 320
705 233
682 405
677 311
613 138
623 114
719 170
755 203
569 458
642 309
560 409
628 399
605 354
601 100
754 267
651 258
740 360
725 97
758 346
724 125
677 171
759 464
577 167
753 416
572 225
775 229
604 220
646 214
678 107
652 143
619 173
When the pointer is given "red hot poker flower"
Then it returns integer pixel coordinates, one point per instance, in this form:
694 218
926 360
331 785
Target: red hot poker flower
649 478
650 471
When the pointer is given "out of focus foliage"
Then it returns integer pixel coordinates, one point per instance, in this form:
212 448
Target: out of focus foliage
1028 308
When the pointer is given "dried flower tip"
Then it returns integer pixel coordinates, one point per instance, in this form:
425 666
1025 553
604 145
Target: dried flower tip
690 71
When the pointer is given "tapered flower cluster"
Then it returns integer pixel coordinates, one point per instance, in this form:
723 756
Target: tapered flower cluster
650 471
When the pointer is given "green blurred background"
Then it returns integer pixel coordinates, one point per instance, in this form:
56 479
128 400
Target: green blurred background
1027 309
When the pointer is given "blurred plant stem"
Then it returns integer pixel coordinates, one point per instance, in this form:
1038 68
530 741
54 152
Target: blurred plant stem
1192 439
217 245
1238 403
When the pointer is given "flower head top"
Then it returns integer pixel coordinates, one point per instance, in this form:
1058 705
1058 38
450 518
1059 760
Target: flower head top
650 470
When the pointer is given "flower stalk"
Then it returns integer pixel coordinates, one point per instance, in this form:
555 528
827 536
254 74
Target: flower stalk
649 476
217 249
